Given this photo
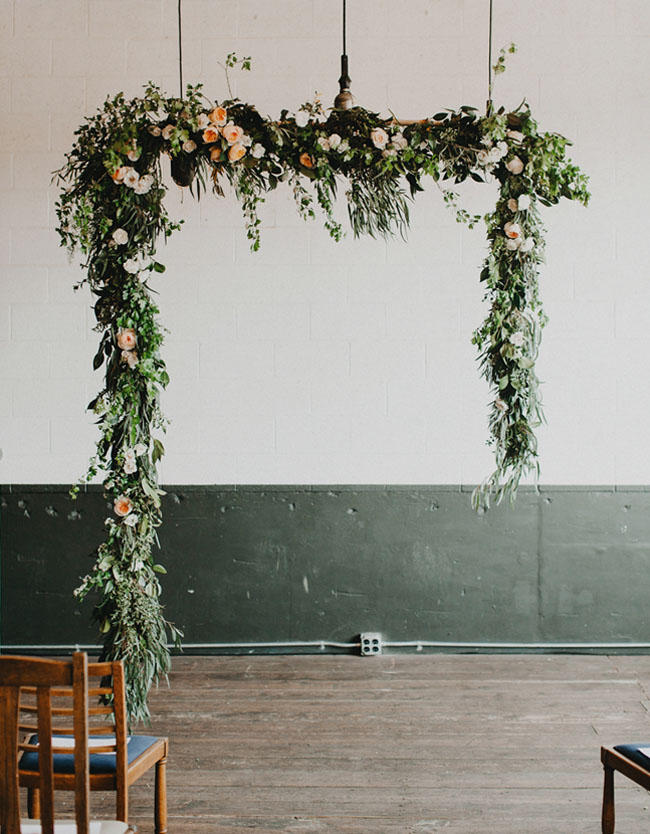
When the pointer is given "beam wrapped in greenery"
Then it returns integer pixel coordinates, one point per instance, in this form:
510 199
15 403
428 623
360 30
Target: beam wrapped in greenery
111 208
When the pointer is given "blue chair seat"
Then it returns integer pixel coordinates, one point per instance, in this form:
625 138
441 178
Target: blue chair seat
631 751
99 762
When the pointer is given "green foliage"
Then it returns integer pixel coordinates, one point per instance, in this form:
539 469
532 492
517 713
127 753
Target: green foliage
111 209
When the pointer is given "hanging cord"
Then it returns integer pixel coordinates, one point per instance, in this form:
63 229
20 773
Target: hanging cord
489 101
180 49
344 9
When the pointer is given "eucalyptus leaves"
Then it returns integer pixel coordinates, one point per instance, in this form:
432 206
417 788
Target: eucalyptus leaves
111 208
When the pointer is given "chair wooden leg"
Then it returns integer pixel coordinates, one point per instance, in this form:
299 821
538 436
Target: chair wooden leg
160 810
122 802
33 803
608 802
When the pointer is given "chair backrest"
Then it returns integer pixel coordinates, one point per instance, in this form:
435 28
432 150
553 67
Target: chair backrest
45 679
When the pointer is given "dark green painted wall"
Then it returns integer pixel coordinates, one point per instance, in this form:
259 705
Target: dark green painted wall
297 563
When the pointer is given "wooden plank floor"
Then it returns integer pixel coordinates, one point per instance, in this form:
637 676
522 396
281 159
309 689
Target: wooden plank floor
506 744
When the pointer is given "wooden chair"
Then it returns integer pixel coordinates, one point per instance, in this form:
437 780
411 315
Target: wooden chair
116 759
45 677
628 760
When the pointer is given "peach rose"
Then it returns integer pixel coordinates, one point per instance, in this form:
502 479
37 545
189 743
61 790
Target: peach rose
126 338
232 133
512 230
218 116
515 166
122 505
211 134
118 173
306 160
215 154
379 137
236 152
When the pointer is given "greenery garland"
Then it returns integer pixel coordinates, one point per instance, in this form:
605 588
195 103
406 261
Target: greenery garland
111 209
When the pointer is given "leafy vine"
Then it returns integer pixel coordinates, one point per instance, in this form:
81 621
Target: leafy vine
111 209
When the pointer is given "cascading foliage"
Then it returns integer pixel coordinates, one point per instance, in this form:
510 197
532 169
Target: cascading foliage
111 209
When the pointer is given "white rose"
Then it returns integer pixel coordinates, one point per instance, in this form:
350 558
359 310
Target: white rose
515 135
379 137
167 132
483 158
323 143
131 177
389 152
140 449
258 150
515 166
512 230
246 140
334 140
143 185
494 155
527 245
344 146
302 117
400 141
517 339
512 204
513 243
132 266
203 121
120 236
523 203
131 519
502 148
130 466
134 154
189 145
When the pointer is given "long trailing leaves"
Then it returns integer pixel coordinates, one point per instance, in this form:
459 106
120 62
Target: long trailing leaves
111 209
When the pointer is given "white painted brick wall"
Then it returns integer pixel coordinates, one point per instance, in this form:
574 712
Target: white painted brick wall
312 362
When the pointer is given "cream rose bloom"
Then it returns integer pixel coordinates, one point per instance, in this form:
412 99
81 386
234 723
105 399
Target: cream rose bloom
131 519
483 157
334 140
400 141
512 204
140 449
258 150
131 177
126 338
512 230
302 118
143 185
189 145
131 266
515 165
516 339
527 245
134 154
122 505
232 133
323 143
523 203
167 132
379 137
120 236
130 357
130 466
515 135
513 244
203 121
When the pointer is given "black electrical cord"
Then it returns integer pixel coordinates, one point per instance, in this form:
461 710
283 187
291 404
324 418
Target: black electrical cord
180 49
489 101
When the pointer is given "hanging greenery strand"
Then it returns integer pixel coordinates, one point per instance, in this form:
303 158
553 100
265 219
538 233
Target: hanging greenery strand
111 209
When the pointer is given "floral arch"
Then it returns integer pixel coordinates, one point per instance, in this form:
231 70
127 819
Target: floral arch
112 209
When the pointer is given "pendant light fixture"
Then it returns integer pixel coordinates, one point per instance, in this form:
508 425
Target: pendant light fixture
345 99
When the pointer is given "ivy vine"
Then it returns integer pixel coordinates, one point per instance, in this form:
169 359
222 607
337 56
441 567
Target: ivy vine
111 209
